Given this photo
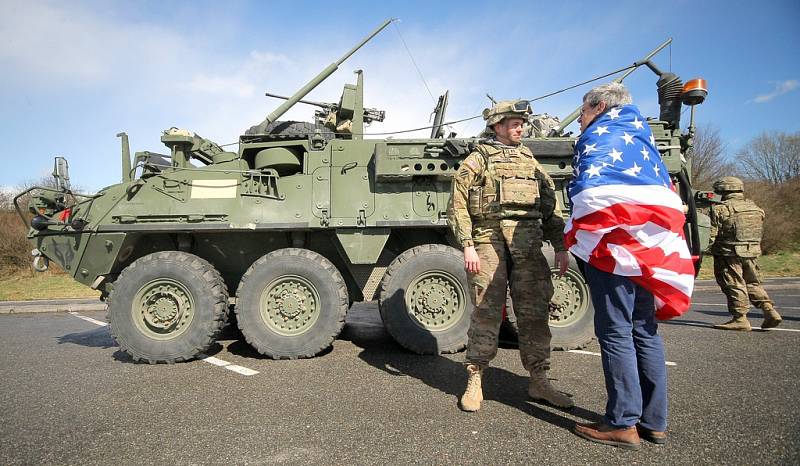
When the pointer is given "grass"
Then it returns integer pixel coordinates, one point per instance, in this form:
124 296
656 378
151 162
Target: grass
24 285
782 264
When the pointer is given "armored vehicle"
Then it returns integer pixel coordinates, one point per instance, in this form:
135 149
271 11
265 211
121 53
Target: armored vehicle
303 220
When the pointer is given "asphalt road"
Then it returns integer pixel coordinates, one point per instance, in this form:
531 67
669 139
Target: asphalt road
69 396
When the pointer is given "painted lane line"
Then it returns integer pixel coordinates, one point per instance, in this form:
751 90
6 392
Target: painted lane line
209 359
89 319
725 305
592 353
231 367
778 329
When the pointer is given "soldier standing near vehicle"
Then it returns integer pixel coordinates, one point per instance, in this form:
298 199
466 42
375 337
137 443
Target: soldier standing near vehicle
503 205
736 227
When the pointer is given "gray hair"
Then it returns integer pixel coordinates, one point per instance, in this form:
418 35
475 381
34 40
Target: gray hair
613 94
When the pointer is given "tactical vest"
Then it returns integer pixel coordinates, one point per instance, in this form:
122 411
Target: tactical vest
741 226
510 186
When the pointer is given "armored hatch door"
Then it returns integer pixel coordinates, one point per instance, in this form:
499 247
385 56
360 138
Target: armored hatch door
352 196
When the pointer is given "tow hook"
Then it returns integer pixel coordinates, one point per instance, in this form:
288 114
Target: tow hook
40 261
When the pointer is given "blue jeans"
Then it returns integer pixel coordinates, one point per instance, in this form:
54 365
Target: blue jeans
632 351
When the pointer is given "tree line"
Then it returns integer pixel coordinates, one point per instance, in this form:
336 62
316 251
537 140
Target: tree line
769 165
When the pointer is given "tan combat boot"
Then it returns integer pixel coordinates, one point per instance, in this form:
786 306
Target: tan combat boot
739 322
540 389
771 317
473 395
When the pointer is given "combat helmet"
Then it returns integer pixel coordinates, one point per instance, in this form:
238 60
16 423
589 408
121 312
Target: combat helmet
728 184
507 109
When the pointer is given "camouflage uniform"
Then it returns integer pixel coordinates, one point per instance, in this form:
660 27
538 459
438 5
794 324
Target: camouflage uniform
736 228
504 204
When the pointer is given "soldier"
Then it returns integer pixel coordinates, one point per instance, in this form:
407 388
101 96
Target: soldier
502 205
736 227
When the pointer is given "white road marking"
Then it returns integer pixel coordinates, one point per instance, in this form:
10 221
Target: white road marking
725 305
202 357
778 329
592 353
226 365
89 319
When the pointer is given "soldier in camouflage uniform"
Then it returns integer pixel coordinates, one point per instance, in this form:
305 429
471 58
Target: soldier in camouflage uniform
736 227
503 205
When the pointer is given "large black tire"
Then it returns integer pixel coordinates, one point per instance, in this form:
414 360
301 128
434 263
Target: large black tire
291 303
167 307
571 310
424 300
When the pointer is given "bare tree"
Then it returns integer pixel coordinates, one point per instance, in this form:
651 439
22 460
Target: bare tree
707 158
772 157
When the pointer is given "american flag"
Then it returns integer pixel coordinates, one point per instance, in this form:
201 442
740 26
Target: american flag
626 218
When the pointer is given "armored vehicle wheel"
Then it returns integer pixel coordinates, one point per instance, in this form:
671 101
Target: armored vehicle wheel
571 309
167 307
291 303
424 302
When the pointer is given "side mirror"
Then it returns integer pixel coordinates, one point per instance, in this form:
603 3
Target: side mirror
61 173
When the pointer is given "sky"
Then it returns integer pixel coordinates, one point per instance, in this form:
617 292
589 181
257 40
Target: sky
73 74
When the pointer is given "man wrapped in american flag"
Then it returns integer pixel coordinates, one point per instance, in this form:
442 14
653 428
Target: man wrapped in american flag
627 228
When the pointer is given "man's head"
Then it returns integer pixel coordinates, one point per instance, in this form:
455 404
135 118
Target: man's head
600 99
728 184
506 119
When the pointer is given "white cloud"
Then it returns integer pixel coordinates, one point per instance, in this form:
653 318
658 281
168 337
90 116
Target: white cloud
781 88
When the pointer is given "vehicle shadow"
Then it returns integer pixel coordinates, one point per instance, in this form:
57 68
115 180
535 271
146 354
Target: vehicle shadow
95 338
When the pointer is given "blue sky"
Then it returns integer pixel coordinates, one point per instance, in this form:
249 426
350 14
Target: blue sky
76 73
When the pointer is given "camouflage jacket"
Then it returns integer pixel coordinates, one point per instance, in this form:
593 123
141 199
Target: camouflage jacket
736 227
497 182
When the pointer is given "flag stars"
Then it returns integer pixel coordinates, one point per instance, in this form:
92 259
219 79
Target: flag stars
627 137
600 130
637 123
656 169
645 153
633 171
614 113
616 155
652 140
594 170
589 148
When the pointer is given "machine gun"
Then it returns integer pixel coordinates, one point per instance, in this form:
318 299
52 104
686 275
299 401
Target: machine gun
328 109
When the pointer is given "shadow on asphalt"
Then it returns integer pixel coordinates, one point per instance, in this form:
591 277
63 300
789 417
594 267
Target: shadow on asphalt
95 338
449 377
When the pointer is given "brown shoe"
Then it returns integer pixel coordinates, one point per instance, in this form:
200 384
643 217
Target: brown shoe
624 437
652 436
771 318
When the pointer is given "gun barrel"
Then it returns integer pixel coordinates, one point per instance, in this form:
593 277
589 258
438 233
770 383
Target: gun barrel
574 115
284 107
301 101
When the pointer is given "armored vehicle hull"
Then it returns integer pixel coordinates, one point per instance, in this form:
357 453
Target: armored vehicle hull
290 230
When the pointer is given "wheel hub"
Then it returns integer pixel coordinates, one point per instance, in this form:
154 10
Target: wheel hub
290 305
164 308
569 299
435 301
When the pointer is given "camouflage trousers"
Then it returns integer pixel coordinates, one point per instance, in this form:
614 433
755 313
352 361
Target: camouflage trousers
740 280
518 251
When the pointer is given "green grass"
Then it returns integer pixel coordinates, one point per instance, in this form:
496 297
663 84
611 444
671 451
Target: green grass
24 285
782 264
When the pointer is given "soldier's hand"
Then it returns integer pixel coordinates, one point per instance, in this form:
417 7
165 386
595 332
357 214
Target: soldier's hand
471 261
562 262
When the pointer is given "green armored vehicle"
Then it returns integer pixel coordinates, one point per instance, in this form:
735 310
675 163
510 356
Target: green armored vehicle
303 220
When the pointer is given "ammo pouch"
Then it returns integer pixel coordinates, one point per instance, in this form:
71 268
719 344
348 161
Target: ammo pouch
519 187
479 202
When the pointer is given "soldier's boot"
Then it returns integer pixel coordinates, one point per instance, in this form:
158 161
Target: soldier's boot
541 389
771 317
473 395
739 322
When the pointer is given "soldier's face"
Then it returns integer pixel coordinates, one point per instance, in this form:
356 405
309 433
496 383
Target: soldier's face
509 131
